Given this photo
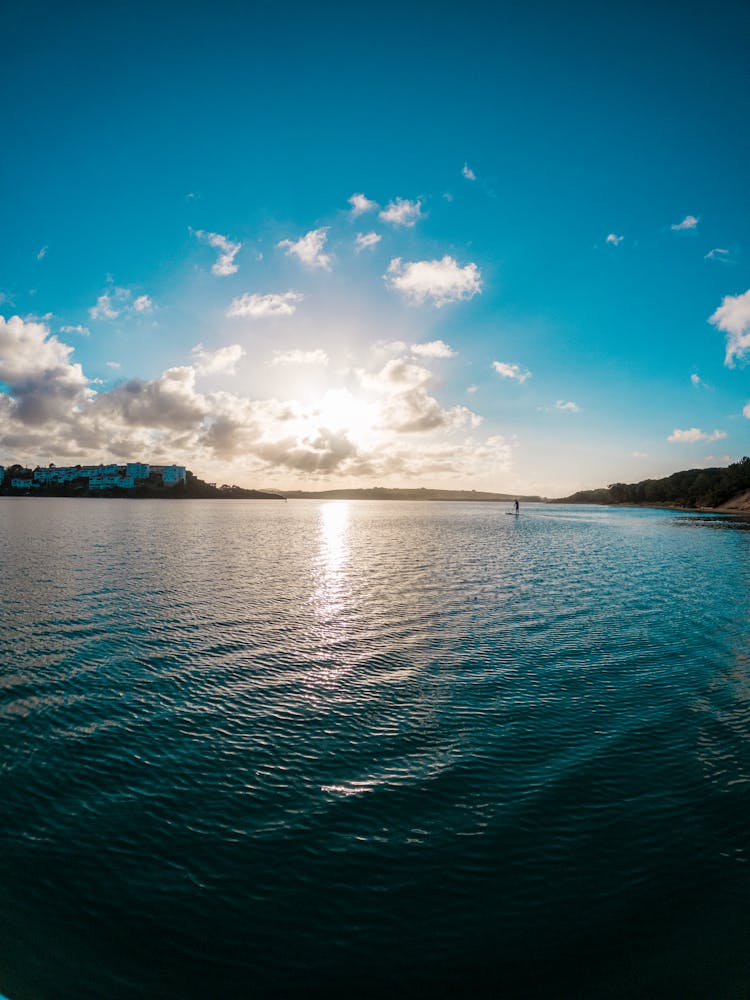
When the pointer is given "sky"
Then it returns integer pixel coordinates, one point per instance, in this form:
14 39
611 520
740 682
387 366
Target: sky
500 247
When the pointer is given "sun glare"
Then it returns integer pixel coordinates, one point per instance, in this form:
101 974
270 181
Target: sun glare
339 410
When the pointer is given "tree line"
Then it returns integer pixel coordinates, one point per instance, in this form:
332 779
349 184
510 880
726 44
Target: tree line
691 488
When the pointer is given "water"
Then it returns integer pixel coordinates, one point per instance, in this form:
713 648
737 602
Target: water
261 749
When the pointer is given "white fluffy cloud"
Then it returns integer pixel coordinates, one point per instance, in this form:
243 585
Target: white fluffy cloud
220 362
402 212
257 306
365 240
511 371
360 205
297 357
689 222
468 173
228 250
693 434
43 384
433 349
733 318
441 281
309 248
143 304
50 411
746 410
567 407
614 240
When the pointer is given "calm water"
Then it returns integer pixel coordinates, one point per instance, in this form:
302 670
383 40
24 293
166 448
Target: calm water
261 749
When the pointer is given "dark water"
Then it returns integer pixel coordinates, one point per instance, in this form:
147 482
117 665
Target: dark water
263 749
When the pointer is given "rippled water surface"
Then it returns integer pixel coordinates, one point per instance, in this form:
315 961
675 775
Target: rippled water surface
262 749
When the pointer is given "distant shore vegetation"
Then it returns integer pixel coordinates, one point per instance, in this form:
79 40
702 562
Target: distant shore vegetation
711 488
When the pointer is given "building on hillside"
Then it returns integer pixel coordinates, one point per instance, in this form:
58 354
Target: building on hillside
138 470
171 475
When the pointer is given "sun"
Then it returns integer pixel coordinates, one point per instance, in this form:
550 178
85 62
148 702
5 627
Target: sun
339 410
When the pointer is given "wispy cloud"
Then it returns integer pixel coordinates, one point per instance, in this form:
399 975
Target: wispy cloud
42 253
689 222
257 306
567 407
360 204
693 434
514 372
433 349
113 303
82 331
468 173
441 281
220 362
402 212
614 240
733 318
296 357
698 382
113 364
718 253
365 240
228 250
110 304
309 248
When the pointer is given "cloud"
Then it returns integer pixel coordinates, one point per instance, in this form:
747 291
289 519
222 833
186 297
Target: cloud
365 240
718 254
82 331
296 357
228 250
115 302
614 240
638 454
309 248
220 362
568 407
471 389
360 205
257 306
48 407
104 308
113 364
693 434
42 253
689 222
733 318
441 281
511 371
43 384
402 212
433 349
698 382
468 173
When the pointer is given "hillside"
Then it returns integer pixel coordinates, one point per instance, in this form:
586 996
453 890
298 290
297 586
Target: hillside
717 488
386 493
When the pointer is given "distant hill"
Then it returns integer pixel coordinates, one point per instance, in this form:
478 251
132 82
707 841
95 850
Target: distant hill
712 488
386 493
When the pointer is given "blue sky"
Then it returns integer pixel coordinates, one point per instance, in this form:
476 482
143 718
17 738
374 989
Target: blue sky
560 200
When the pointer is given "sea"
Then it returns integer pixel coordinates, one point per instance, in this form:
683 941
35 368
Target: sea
355 749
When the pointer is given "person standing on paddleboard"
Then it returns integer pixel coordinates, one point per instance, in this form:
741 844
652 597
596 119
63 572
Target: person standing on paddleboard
516 503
